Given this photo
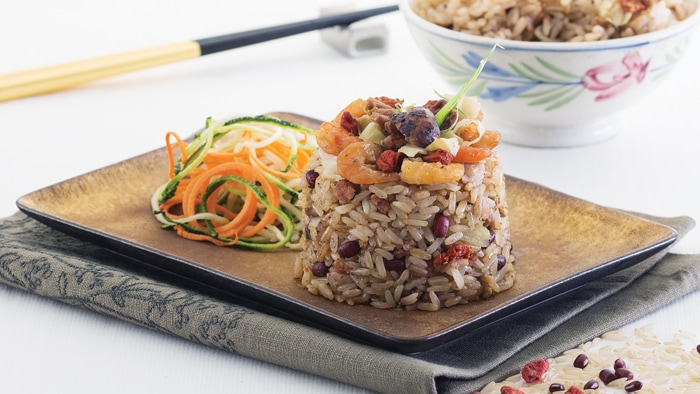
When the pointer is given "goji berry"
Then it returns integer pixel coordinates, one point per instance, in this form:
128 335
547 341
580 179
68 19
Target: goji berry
454 252
390 161
534 370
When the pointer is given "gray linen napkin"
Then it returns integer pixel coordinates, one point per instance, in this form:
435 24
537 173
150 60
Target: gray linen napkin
43 261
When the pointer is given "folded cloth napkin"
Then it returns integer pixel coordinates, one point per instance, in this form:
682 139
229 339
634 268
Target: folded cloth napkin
43 261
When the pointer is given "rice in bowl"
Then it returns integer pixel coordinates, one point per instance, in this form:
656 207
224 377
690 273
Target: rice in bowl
555 20
402 244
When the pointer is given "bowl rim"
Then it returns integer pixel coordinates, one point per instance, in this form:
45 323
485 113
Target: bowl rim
611 44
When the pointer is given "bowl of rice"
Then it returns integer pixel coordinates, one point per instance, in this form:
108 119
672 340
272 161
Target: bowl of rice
563 69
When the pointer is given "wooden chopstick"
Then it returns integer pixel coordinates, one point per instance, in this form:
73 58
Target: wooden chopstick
57 77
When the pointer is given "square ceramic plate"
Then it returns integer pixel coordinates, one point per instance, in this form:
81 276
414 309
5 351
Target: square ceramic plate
560 242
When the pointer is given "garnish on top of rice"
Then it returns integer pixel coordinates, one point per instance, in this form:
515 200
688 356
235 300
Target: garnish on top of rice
405 206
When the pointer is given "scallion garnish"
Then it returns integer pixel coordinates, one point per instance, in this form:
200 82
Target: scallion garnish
452 103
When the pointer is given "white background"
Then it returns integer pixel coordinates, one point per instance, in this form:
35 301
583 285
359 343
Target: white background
651 166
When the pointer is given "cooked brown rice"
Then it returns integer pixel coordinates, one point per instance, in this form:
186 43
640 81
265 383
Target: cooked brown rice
478 214
554 20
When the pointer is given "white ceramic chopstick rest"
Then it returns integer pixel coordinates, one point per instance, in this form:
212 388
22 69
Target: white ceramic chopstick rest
362 38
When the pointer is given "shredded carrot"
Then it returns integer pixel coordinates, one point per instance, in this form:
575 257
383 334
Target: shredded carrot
180 144
234 184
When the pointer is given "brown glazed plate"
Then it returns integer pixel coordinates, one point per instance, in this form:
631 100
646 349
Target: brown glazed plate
560 242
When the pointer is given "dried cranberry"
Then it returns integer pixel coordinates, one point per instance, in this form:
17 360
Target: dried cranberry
349 123
311 177
581 361
534 370
574 390
349 249
319 269
440 225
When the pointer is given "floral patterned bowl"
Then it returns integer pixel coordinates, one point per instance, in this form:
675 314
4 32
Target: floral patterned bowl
553 94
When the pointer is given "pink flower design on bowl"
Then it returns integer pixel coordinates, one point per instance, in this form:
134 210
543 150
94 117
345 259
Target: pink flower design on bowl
615 77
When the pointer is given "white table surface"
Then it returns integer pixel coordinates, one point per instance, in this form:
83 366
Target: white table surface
651 166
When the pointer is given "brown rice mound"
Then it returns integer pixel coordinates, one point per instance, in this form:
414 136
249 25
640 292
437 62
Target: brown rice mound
554 20
393 222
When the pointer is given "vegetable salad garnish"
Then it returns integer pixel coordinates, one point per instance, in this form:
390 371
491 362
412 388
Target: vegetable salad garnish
236 183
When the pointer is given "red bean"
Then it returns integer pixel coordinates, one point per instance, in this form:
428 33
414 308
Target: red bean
440 225
606 376
349 249
619 363
397 265
633 386
624 373
501 262
581 361
591 385
311 177
554 387
319 269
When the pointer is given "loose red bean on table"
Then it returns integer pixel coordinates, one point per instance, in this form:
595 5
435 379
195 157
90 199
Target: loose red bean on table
635 385
619 363
606 376
591 385
581 361
624 373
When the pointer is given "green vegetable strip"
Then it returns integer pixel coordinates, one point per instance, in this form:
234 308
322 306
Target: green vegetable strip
450 105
